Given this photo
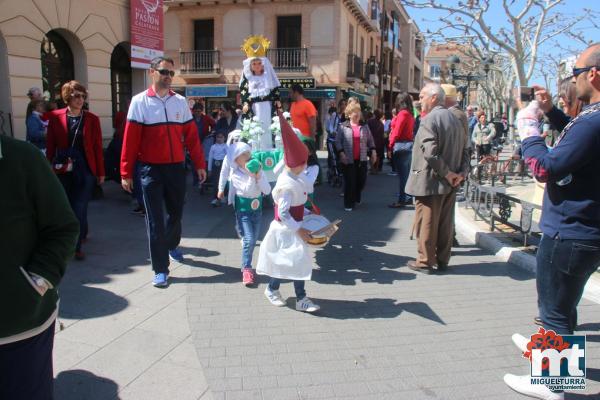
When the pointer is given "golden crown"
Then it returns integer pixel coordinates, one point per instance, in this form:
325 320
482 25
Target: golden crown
256 46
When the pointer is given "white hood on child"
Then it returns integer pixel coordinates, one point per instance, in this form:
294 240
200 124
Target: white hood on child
235 150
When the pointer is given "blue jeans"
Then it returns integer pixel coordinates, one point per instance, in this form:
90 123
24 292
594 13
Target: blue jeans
298 287
402 159
563 268
248 224
79 192
164 189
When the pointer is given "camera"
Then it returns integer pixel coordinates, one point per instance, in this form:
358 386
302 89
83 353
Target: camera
526 93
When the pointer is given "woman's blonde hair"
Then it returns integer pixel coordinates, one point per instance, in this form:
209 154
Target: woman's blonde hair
352 106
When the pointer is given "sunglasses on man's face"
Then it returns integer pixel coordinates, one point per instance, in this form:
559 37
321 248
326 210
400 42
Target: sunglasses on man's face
166 72
579 71
79 96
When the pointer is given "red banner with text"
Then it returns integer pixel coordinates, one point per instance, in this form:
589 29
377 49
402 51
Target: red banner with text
147 38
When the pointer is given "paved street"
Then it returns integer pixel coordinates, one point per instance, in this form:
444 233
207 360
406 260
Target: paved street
384 332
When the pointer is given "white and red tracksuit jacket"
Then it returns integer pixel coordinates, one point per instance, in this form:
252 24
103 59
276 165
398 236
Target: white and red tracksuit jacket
157 131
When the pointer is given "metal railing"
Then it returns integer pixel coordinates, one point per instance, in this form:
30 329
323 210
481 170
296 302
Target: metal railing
485 193
355 67
200 62
289 59
397 82
370 68
495 172
418 52
495 207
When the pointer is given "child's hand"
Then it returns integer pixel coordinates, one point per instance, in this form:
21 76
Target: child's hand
304 234
220 195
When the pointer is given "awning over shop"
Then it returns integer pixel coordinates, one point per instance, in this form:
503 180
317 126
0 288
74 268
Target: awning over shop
206 91
362 97
312 93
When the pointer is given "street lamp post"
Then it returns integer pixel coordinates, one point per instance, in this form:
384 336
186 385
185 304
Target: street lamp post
453 61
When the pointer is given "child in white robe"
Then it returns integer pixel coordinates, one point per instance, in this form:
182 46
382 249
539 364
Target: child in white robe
284 253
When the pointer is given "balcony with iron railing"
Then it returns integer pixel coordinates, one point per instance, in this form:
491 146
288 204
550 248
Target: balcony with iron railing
355 67
398 82
418 51
371 72
200 62
289 59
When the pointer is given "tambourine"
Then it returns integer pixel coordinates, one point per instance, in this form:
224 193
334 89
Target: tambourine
321 229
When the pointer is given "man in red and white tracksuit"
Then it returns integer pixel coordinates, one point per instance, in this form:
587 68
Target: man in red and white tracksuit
158 131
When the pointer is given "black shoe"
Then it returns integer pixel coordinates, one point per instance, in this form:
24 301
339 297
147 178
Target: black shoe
538 321
138 210
441 267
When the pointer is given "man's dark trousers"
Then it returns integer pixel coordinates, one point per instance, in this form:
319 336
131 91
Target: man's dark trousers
163 186
563 268
26 368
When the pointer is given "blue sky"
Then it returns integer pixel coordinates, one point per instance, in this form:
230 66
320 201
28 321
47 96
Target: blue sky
496 18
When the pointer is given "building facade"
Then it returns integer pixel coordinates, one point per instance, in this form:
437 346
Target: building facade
438 69
333 47
46 43
402 56
328 46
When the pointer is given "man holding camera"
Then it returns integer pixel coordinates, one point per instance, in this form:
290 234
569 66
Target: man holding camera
569 251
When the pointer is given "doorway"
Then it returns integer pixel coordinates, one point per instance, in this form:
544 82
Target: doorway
57 66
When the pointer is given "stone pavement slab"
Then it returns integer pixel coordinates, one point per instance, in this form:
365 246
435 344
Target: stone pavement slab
384 331
121 338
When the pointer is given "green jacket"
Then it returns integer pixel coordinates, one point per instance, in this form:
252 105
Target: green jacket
38 231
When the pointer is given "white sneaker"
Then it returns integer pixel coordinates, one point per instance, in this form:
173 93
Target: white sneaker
522 384
520 341
348 209
307 305
274 297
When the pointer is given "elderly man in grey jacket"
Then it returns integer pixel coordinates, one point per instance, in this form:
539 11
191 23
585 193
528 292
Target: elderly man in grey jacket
440 162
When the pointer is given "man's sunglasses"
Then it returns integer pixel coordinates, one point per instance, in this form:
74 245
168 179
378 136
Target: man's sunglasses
166 72
579 71
79 96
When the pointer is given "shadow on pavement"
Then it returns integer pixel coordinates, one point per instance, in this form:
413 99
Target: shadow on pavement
593 338
593 374
79 384
468 251
198 252
589 326
576 396
489 269
351 256
83 302
374 308
351 273
225 274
